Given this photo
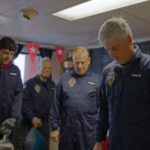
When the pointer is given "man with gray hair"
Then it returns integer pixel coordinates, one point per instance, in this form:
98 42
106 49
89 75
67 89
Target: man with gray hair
37 98
124 94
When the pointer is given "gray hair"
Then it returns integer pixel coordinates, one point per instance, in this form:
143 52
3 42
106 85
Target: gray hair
115 26
45 59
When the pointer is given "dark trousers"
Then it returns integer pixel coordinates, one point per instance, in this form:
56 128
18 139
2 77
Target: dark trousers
16 136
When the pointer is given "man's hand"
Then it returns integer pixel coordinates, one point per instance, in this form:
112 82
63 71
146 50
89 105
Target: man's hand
7 125
36 122
98 146
55 135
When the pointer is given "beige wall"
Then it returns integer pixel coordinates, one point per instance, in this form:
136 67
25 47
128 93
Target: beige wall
56 67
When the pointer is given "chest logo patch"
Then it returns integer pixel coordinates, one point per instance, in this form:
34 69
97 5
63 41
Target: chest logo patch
111 78
72 82
37 88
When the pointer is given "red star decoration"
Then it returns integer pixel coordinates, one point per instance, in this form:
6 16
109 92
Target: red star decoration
59 53
33 49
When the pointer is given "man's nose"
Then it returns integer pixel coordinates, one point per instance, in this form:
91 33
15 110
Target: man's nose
9 56
80 65
112 54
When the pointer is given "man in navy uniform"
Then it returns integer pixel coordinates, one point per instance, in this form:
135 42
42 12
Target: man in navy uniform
10 86
73 115
124 94
37 97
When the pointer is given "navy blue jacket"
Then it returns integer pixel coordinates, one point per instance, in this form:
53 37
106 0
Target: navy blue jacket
125 104
37 98
10 92
75 108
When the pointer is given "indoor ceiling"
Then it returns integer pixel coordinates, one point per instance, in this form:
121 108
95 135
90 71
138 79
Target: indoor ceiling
49 30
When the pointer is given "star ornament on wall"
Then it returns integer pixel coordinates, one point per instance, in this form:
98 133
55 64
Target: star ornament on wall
33 50
59 53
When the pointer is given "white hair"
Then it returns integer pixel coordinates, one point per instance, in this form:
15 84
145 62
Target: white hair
45 59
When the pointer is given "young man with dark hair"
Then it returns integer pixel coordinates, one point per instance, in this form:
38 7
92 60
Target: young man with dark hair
10 86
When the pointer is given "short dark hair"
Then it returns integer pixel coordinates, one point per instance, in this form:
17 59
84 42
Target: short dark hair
8 43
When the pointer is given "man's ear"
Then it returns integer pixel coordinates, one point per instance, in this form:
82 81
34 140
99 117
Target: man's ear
89 60
129 40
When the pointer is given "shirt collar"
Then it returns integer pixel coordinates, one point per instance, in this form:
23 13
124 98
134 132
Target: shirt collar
6 65
76 75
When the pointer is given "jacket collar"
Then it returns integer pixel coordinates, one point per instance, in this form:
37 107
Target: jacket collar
6 65
73 73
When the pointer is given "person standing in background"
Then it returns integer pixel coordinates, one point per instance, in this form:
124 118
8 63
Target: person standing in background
37 98
124 94
73 114
67 63
10 88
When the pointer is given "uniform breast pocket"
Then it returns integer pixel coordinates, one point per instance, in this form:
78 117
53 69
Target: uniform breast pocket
92 95
10 84
92 101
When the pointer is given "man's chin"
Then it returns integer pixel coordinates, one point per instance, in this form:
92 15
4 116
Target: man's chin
80 73
45 77
5 63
